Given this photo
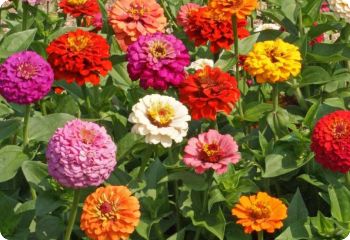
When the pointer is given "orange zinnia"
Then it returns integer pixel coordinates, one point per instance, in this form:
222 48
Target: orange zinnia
240 8
260 212
110 213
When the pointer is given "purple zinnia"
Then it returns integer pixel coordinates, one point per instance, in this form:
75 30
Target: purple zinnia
25 78
158 60
81 154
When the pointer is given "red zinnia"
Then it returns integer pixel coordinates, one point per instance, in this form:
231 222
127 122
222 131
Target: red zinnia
79 56
208 91
331 141
78 8
204 26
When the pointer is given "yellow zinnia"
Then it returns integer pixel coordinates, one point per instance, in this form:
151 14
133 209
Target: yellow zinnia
240 8
273 61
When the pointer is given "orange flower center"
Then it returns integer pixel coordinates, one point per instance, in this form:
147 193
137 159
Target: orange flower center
76 2
260 210
211 152
78 43
161 114
340 129
158 49
27 70
87 136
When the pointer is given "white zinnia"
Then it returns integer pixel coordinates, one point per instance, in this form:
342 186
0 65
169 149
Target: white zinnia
161 119
341 8
200 64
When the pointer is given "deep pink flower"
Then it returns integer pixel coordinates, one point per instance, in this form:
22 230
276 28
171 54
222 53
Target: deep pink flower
211 150
25 78
81 154
325 7
158 60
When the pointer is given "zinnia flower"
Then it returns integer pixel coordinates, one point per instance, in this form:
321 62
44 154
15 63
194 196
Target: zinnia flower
211 150
158 60
240 8
81 154
273 61
161 119
79 56
341 8
260 212
184 14
25 78
78 8
331 141
201 63
110 213
209 91
133 18
204 26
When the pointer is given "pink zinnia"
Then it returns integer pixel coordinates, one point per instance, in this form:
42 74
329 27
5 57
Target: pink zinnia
211 150
158 60
184 13
81 154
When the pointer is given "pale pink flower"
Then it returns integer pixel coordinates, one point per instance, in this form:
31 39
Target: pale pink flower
211 150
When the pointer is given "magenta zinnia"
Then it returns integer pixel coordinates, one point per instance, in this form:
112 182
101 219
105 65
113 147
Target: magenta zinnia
211 150
81 154
25 78
158 60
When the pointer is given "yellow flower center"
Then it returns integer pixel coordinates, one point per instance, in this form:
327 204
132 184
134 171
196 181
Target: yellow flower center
78 43
340 129
87 136
76 2
260 210
161 114
211 152
27 71
158 49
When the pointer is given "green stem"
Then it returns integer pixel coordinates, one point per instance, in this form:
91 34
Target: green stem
73 214
275 94
205 203
142 168
25 126
300 98
87 99
261 235
24 16
168 14
43 107
347 179
300 22
178 219
235 36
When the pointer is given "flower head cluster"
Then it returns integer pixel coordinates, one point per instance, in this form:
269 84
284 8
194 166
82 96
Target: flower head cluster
79 56
273 61
203 26
183 16
78 8
158 60
211 150
25 78
161 119
331 141
209 91
260 212
81 154
341 8
110 213
240 8
133 18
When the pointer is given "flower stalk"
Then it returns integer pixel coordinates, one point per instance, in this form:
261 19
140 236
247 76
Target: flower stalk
261 235
73 215
347 179
275 93
25 126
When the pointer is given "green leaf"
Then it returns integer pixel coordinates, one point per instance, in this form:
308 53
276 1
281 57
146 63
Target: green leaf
310 116
11 159
190 179
41 128
49 228
314 75
34 171
9 127
340 203
256 111
19 41
328 53
8 219
126 144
